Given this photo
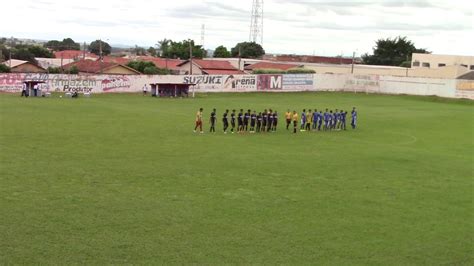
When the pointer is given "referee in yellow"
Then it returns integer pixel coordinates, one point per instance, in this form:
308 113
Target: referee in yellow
288 119
295 121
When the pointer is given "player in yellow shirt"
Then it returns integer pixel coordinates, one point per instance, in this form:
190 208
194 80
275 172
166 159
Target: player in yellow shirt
199 121
295 121
288 119
309 120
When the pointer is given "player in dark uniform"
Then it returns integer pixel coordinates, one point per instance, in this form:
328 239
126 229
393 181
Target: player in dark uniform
240 121
253 121
269 120
275 121
259 121
247 120
264 120
225 121
232 121
212 120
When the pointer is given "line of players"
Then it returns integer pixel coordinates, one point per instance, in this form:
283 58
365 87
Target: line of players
317 121
267 121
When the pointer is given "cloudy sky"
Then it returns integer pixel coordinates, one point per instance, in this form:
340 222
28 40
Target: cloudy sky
321 27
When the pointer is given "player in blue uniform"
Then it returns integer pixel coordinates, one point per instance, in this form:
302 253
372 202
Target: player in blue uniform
303 120
343 116
326 120
354 118
315 119
320 118
336 119
330 118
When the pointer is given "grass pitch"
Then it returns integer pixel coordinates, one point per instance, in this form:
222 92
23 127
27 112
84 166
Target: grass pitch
121 179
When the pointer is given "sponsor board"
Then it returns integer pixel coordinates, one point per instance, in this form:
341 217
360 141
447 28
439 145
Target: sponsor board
298 82
270 82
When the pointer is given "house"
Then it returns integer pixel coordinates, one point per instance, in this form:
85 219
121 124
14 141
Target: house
99 67
52 62
165 63
273 66
74 55
20 66
208 67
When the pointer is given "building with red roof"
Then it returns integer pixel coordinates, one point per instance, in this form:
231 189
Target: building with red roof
208 67
98 67
74 54
165 63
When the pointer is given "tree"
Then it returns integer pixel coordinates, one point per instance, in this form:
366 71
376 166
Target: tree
54 70
388 52
139 50
39 51
248 50
221 52
152 51
4 68
72 70
65 44
147 68
24 54
94 47
171 49
163 47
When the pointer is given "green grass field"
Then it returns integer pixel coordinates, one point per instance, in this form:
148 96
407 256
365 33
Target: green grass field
121 179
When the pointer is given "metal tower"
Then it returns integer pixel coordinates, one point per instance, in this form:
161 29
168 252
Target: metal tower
203 34
256 24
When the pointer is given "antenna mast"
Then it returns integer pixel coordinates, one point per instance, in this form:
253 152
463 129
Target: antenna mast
256 24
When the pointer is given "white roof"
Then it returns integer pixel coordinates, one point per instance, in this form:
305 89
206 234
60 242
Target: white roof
14 62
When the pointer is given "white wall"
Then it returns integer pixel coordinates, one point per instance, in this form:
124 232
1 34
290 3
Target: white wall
246 83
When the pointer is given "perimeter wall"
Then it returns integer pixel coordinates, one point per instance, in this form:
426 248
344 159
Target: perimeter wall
450 88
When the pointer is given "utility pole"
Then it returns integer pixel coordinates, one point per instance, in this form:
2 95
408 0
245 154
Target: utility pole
190 57
84 53
240 58
10 58
353 58
100 55
407 66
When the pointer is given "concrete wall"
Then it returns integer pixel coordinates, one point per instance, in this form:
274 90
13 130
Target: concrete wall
246 83
450 72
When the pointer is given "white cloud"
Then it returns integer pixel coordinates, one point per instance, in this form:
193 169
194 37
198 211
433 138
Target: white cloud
300 26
